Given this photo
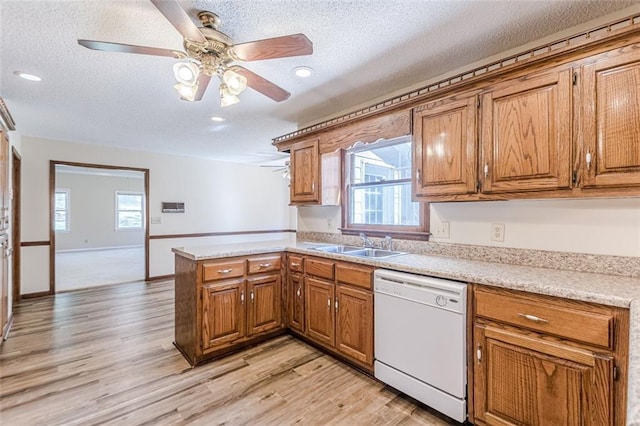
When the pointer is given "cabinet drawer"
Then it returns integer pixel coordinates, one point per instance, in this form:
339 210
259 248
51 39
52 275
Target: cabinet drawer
264 264
222 269
319 268
547 316
295 264
356 275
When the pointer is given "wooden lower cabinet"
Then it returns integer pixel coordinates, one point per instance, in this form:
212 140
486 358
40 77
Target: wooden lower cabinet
215 313
354 323
530 368
223 314
319 315
263 304
338 309
296 302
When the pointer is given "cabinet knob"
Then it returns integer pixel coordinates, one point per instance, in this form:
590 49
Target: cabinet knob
329 302
336 304
251 296
486 170
298 292
242 297
313 187
225 271
588 160
295 265
264 265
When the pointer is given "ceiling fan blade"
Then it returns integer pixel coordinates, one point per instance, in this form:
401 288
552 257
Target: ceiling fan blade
177 16
203 82
262 85
130 48
271 48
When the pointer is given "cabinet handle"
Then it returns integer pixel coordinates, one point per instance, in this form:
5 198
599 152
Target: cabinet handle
588 160
486 170
532 317
225 271
418 177
329 302
264 265
479 353
242 298
251 296
313 187
336 305
298 292
295 265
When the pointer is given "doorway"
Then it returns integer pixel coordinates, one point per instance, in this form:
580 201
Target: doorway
99 225
16 188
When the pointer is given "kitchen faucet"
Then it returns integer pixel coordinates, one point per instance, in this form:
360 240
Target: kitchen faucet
366 241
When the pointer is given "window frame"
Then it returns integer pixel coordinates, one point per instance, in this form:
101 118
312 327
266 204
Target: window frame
419 232
67 210
118 228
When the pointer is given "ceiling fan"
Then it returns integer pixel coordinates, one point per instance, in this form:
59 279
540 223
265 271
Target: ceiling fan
209 52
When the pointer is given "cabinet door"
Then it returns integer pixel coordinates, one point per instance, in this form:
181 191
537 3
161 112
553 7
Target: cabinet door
263 304
354 323
296 302
444 140
522 379
611 122
526 134
319 317
223 313
305 176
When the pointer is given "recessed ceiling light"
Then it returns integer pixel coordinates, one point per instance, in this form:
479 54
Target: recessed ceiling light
303 72
218 119
27 76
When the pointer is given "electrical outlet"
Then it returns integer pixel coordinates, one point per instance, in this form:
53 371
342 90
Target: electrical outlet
441 230
156 220
497 232
329 224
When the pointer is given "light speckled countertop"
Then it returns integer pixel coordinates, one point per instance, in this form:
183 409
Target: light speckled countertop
599 288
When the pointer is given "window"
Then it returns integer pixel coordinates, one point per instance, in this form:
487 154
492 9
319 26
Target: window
378 189
129 210
61 221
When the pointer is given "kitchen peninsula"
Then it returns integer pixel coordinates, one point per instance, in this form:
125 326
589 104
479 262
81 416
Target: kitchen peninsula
239 270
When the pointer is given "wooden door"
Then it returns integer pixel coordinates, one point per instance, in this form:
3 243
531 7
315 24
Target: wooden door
305 176
223 312
610 154
354 323
4 277
4 181
296 302
521 379
319 316
263 305
445 140
526 134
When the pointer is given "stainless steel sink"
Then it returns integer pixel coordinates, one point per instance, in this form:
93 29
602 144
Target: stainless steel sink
374 253
338 249
360 251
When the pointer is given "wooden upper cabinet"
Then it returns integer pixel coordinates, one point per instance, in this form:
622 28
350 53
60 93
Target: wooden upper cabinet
305 172
445 141
526 133
610 154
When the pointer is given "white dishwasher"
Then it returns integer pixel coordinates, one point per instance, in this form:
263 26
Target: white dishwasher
420 339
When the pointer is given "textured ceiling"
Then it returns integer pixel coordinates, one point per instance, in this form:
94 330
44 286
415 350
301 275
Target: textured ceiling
363 49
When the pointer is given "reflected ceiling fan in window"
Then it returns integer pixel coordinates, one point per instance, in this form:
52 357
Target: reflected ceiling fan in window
209 52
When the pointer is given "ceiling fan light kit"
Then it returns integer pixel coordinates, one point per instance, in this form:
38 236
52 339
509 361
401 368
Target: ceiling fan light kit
209 52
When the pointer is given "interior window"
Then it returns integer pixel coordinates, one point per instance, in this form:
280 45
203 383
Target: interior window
129 212
378 189
61 222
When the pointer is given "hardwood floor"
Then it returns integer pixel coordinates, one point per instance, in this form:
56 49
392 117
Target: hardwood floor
105 356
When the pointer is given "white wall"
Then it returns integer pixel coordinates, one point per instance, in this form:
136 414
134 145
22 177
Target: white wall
605 226
218 197
92 213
